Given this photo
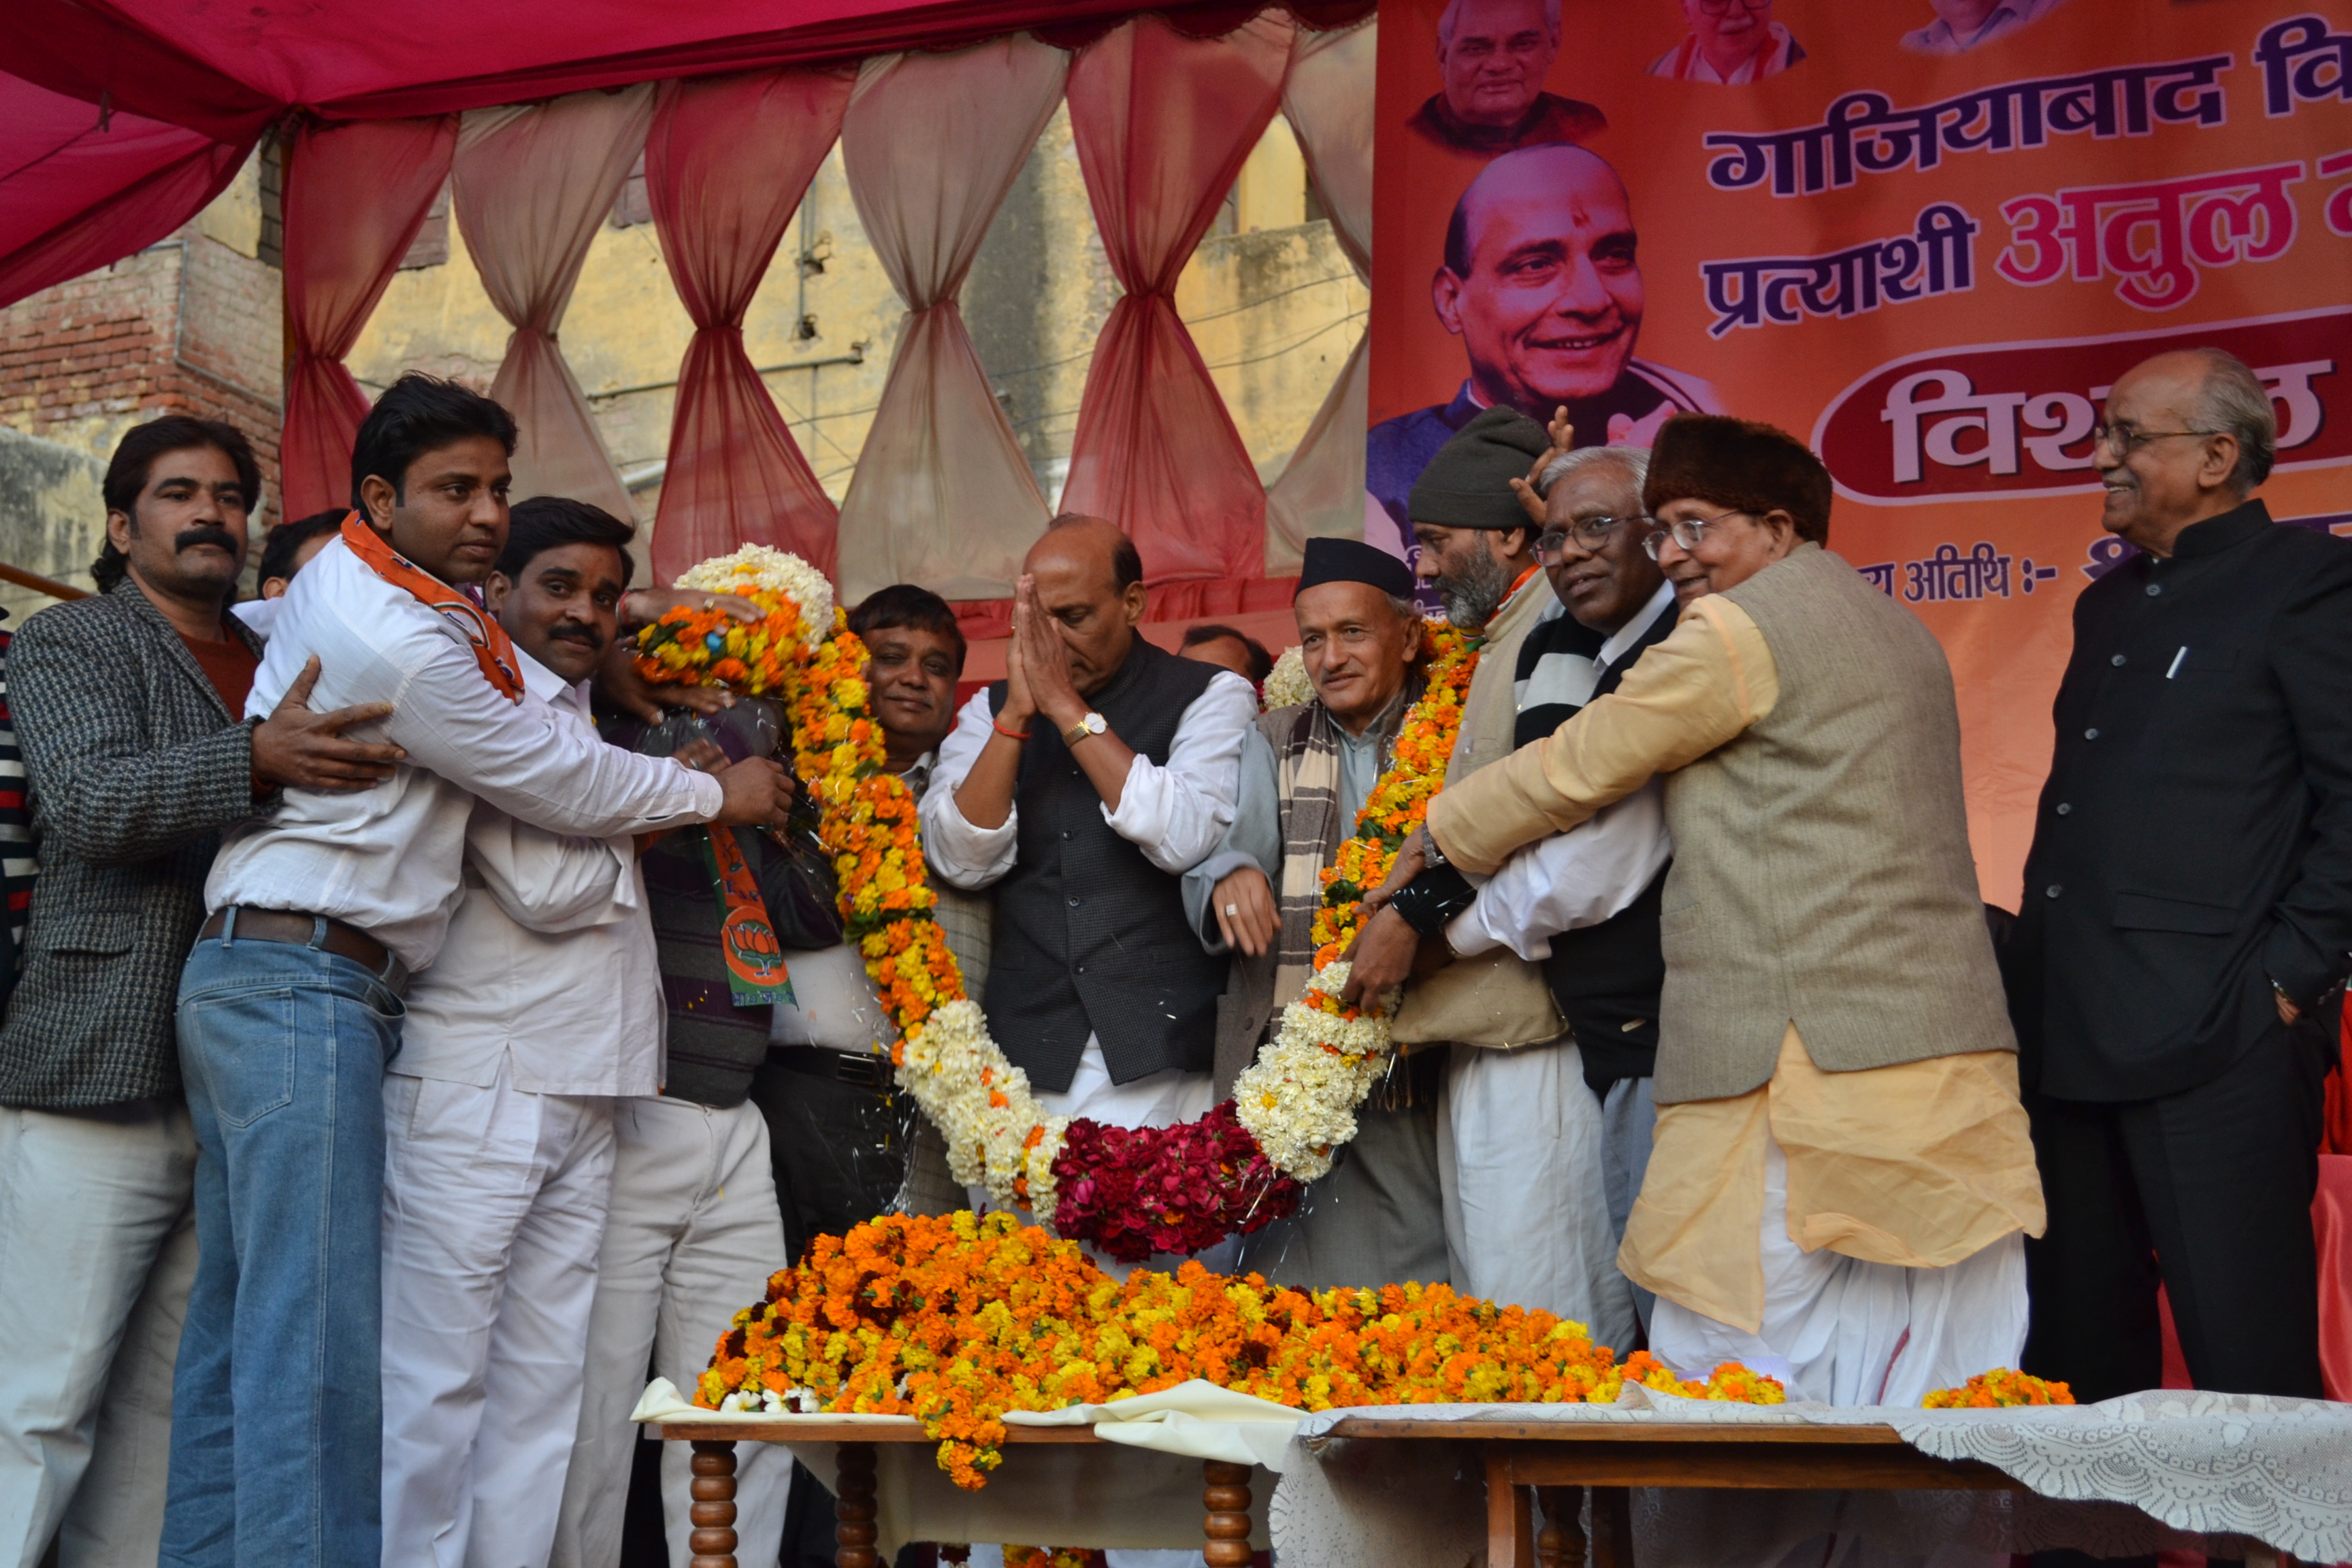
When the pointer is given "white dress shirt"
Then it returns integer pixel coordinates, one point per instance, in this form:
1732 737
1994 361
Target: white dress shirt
1175 814
386 859
1580 877
549 964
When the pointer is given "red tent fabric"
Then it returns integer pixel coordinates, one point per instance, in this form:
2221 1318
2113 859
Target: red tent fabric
120 120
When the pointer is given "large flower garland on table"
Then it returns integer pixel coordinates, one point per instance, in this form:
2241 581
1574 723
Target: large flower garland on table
1130 1192
956 1321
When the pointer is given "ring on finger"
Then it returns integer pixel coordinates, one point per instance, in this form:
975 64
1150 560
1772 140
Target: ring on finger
1233 908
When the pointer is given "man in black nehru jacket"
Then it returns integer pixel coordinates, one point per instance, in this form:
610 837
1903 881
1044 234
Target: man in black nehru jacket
1081 788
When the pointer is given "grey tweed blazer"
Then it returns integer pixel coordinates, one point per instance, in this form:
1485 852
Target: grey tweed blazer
134 765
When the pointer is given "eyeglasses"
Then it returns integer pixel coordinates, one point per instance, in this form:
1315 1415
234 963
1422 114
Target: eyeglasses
1591 533
1687 532
2123 440
1719 7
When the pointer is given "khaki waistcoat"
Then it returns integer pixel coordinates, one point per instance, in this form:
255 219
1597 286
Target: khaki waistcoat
1822 870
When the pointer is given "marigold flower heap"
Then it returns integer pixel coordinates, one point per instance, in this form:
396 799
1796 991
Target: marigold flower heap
2000 1389
1299 1099
956 1321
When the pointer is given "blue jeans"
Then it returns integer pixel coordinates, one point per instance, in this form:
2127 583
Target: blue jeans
276 1431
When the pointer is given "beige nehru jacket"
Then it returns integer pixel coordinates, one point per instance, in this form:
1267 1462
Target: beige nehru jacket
1821 914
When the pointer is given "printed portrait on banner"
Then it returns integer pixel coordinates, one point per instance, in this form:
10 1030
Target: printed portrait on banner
1926 236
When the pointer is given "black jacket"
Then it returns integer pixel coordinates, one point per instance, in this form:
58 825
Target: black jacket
2194 842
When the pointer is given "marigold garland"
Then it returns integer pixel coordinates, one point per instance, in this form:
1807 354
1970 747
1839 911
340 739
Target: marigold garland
1130 1192
956 1319
1999 1389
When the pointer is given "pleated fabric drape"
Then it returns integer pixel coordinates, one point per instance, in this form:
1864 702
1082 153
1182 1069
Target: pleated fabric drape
355 195
727 162
1163 123
943 494
1327 99
532 183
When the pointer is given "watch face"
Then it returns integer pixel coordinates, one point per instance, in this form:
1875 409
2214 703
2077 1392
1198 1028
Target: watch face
1095 723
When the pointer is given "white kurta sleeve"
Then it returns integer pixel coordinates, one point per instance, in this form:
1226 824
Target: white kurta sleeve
549 881
1176 814
1255 838
1579 877
964 855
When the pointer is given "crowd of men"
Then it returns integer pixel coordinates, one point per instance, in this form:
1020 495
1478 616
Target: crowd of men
381 1100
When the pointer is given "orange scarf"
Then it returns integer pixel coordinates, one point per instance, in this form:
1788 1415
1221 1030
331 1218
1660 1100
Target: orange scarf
493 649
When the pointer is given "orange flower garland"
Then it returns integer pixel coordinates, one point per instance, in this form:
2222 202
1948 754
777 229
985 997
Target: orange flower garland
2000 1389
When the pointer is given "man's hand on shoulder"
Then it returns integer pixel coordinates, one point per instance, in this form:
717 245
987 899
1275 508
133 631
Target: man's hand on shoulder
297 749
759 794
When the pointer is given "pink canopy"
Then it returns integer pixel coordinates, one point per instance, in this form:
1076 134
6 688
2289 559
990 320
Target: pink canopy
118 121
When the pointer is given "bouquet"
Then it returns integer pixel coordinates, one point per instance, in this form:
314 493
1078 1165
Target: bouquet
688 646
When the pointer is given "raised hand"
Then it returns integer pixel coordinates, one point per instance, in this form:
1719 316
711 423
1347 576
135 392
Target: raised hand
297 749
1563 439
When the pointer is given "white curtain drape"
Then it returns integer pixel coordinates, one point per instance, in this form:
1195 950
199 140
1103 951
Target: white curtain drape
931 143
1327 99
533 182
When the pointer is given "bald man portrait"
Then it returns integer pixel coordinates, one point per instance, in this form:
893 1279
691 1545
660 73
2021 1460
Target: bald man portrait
1492 56
1080 789
1542 282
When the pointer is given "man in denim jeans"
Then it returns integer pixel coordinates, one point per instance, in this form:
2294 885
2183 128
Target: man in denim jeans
290 1006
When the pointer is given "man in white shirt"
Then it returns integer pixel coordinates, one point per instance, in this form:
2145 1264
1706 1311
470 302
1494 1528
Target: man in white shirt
289 1006
1569 1121
1081 788
1963 25
545 1004
1730 42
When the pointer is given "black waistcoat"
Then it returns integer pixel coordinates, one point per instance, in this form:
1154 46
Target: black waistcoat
1606 978
1091 936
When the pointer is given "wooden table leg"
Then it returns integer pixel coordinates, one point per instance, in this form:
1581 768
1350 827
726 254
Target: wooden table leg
1226 1489
853 1508
1560 1543
713 1514
1510 1527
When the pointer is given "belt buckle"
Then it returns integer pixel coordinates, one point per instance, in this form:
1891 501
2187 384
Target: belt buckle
860 1069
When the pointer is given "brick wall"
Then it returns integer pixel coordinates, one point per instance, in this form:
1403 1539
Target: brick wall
189 326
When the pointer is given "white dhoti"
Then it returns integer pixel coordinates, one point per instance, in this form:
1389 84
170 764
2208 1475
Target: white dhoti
1844 1331
494 1204
693 1237
1522 1157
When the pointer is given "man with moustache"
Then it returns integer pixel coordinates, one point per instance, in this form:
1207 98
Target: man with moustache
289 1003
544 1006
1730 42
1081 788
1829 985
2176 970
1570 1119
1306 771
1494 56
128 707
1542 283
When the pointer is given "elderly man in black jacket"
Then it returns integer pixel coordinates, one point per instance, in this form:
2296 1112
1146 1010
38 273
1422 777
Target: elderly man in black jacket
2175 973
127 707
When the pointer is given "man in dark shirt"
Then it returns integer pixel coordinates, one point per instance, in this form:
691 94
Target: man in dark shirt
128 706
1495 55
2176 972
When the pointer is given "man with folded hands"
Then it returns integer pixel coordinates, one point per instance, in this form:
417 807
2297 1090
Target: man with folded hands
1842 1177
290 1004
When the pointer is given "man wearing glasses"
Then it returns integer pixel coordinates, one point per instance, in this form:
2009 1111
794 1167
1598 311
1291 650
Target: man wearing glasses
1840 1167
1730 42
2176 973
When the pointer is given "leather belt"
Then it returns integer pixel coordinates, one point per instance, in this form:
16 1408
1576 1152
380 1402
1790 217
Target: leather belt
866 1069
299 928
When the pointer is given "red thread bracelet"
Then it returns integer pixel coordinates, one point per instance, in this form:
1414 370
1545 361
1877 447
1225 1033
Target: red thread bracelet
1008 734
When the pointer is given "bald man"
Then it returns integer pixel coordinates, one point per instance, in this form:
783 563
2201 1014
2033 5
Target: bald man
1542 284
1081 788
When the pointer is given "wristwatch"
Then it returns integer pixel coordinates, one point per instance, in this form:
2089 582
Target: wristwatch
1431 852
1092 724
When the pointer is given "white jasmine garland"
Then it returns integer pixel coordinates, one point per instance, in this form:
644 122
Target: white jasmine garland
1287 685
1299 1099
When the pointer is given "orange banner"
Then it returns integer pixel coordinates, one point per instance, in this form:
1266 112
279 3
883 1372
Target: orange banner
1925 235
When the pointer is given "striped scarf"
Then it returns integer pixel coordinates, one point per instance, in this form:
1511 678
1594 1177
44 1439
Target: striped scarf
1315 821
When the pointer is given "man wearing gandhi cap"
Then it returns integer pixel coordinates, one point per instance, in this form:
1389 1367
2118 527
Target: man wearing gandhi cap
1306 771
1841 1171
